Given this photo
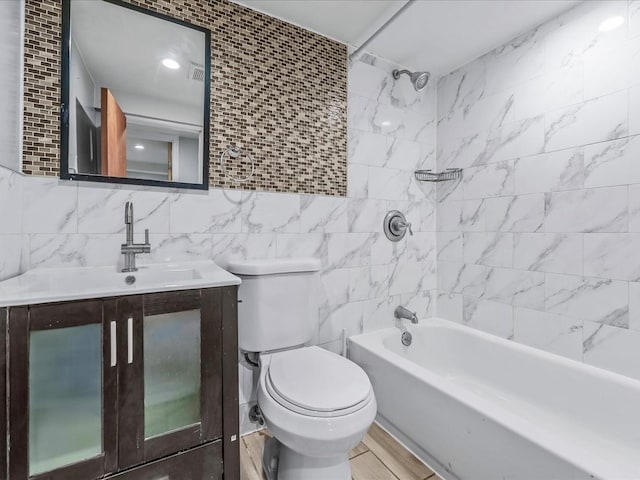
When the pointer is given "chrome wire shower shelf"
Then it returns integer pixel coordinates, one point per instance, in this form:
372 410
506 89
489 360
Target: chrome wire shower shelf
431 176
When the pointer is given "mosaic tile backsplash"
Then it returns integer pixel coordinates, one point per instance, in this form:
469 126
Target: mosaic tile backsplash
277 90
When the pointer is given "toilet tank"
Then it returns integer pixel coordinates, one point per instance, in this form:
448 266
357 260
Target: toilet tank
278 302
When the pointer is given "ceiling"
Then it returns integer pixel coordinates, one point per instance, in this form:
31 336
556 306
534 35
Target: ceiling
435 35
123 50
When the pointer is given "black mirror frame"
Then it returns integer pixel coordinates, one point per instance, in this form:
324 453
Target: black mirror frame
64 105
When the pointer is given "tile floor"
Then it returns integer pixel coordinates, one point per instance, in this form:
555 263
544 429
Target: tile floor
377 457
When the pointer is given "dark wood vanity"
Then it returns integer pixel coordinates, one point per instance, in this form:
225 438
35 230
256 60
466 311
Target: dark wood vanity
140 387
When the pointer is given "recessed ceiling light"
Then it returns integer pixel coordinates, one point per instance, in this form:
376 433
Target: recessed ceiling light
611 23
139 147
170 63
386 123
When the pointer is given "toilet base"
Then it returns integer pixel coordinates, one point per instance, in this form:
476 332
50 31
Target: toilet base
291 465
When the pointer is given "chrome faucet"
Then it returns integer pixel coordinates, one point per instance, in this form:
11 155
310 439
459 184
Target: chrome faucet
130 249
401 312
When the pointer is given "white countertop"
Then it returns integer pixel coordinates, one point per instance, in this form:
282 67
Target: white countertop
49 285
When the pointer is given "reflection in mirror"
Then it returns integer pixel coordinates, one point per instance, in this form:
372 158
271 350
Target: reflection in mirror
136 100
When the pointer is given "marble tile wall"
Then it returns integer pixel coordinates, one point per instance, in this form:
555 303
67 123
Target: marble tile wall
540 241
47 223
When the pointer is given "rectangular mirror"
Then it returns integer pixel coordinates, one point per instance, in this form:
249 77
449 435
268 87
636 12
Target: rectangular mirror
135 96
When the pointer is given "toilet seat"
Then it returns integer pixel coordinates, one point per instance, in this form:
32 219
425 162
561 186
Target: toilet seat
315 382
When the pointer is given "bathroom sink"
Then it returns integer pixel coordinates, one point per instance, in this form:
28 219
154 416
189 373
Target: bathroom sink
62 284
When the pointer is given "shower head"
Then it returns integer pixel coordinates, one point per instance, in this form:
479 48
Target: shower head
418 79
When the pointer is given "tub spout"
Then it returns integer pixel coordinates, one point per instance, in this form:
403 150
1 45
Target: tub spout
401 312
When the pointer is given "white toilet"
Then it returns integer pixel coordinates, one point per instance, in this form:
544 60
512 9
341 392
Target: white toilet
317 404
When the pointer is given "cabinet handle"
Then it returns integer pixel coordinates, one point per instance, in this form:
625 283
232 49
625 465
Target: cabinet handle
114 351
130 339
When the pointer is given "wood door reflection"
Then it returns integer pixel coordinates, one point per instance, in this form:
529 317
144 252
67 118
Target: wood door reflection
114 136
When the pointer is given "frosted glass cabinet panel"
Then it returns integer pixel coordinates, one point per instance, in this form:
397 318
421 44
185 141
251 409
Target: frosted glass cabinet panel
124 388
172 375
65 400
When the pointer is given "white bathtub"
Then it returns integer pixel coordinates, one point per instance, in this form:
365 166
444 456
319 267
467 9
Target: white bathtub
477 407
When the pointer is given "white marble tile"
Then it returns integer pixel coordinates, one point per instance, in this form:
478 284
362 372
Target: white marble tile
634 18
491 249
335 287
611 348
270 212
516 61
611 255
448 215
242 246
382 249
365 215
357 181
290 245
450 246
467 279
419 247
634 208
549 91
417 126
460 89
449 306
11 185
11 256
513 140
472 217
101 209
409 277
380 279
389 184
634 111
461 152
595 299
561 170
366 148
518 213
368 80
514 287
633 47
587 210
612 163
634 305
378 313
319 214
548 252
607 70
489 112
359 283
422 303
11 65
51 206
219 211
596 120
578 33
491 180
75 250
348 316
349 249
408 155
372 116
491 317
177 247
549 332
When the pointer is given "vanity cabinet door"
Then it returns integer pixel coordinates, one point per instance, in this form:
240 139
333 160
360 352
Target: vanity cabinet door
3 392
62 390
170 373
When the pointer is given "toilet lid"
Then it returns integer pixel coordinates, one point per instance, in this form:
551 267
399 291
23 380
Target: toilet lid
317 380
